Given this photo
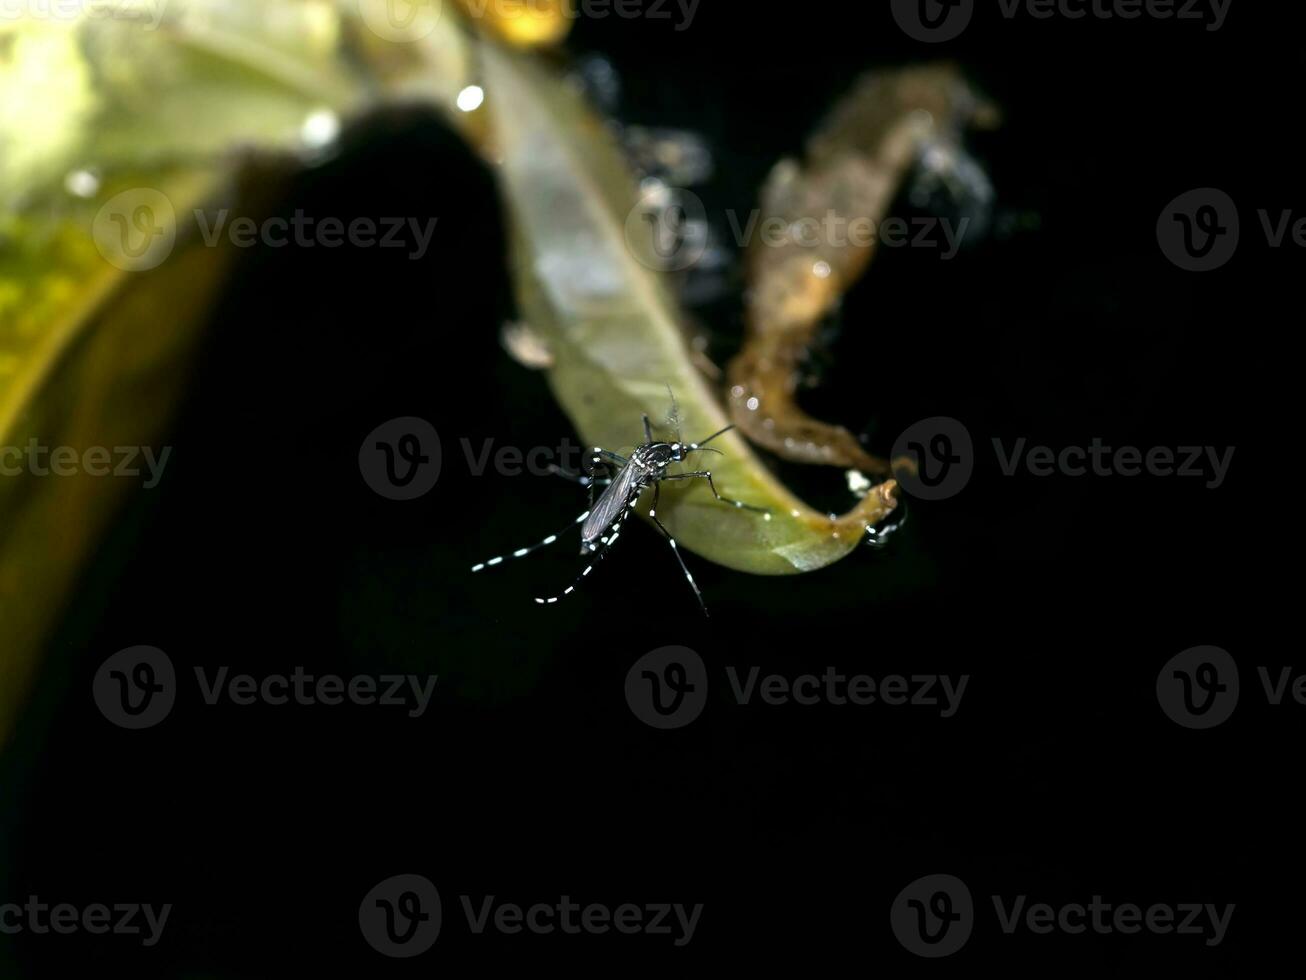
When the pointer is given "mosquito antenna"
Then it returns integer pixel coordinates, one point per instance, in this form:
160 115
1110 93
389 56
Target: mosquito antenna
700 445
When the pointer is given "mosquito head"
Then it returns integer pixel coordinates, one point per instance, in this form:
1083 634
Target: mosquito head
680 451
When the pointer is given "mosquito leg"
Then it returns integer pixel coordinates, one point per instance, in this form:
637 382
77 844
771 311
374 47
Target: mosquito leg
523 552
675 550
706 475
596 464
648 431
599 553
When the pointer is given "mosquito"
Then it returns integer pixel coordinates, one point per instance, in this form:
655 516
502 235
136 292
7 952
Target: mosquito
624 479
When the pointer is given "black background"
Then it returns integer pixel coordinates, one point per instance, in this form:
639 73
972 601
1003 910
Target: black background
529 778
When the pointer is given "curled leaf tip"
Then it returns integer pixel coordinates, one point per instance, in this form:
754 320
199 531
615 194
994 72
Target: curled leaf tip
615 334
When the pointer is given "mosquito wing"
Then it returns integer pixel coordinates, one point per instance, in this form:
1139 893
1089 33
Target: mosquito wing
607 509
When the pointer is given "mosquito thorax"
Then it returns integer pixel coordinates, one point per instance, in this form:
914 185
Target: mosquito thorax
657 455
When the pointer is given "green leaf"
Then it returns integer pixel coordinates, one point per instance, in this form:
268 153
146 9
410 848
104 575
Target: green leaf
615 332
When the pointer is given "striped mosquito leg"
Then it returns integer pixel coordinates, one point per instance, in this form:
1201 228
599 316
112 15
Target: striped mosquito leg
523 552
706 475
653 515
600 551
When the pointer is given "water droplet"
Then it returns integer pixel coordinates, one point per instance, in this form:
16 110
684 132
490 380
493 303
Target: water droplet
320 128
81 183
470 98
